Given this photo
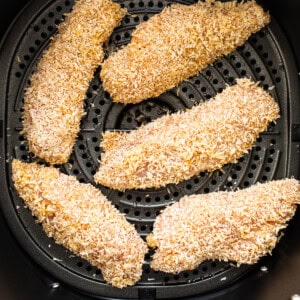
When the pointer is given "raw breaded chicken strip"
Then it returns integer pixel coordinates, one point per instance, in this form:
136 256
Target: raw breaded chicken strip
79 217
177 44
239 226
55 98
178 146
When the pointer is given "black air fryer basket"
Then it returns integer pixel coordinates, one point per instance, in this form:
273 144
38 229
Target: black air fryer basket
266 57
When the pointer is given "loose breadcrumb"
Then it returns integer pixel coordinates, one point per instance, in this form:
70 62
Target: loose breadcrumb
55 98
239 226
178 146
80 218
176 44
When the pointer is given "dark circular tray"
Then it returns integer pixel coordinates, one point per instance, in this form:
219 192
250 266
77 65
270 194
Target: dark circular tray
265 57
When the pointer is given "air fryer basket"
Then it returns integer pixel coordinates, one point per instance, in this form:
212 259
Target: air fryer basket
265 58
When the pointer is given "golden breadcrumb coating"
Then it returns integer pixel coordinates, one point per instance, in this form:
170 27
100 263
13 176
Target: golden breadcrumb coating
54 101
176 44
79 217
178 146
239 226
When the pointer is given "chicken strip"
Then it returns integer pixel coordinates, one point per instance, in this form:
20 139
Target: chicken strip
176 44
178 146
239 226
55 98
79 217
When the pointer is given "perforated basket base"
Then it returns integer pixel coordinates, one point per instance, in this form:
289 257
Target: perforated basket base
265 57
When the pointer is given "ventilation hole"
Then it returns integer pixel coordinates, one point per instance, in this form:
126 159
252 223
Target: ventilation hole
101 102
232 57
137 213
204 269
129 119
88 164
206 190
208 73
215 81
277 79
51 15
225 72
94 139
231 79
58 8
81 147
196 180
84 156
150 4
256 157
273 142
213 182
246 183
89 268
157 199
126 35
79 264
44 35
95 120
43 21
195 272
97 111
18 74
138 199
175 194
234 176
97 149
213 264
262 78
220 64
93 172
253 61
57 21
202 174
247 54
22 148
50 28
259 140
21 138
243 72
136 19
37 42
238 168
264 178
270 63
148 199
238 65
203 89
129 197
157 212
253 167
176 277
36 28
160 4
260 47
143 228
166 279
147 271
184 89
258 70
120 194
118 37
141 4
191 96
167 197
148 214
274 71
189 187
126 211
270 159
126 20
267 169
75 172
98 272
266 87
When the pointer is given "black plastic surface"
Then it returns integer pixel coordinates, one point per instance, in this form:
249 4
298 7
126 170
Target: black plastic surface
286 166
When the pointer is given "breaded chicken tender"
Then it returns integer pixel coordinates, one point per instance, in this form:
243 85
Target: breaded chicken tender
79 217
176 44
178 146
239 226
55 98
